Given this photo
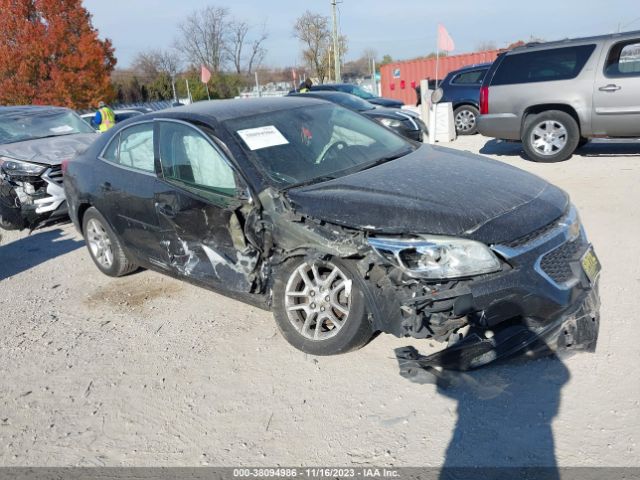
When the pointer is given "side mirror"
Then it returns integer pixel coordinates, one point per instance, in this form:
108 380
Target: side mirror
243 192
437 95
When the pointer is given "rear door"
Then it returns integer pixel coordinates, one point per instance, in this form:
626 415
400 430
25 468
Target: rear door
616 96
200 212
128 186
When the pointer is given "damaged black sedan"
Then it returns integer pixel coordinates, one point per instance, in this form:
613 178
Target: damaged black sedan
34 141
340 227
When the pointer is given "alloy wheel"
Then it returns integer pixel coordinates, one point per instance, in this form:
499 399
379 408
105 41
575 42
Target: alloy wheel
99 243
465 121
549 137
318 299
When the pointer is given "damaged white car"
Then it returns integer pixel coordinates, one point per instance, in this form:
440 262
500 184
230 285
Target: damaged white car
340 227
34 141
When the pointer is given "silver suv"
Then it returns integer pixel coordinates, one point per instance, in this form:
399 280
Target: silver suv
556 96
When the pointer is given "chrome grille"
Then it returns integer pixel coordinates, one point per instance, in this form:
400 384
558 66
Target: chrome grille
55 175
542 231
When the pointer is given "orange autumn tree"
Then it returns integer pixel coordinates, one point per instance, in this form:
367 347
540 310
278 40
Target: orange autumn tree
51 54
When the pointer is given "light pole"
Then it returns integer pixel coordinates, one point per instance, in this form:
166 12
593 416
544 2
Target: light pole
336 42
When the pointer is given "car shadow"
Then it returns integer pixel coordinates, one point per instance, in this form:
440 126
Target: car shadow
504 420
597 148
23 254
504 412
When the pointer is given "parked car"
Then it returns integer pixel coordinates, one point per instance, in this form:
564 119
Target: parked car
33 143
359 92
340 227
556 96
403 122
121 115
462 89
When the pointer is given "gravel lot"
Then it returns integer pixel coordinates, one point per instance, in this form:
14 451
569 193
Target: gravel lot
146 370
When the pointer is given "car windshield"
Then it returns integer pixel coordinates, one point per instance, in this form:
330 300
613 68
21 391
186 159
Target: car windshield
362 93
19 126
316 143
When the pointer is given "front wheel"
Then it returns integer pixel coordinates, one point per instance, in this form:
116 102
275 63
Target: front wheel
550 136
319 306
465 118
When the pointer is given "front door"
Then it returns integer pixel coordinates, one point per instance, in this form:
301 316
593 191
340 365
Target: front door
616 96
200 213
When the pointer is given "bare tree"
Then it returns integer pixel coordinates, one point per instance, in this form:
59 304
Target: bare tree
486 45
154 64
203 37
257 52
236 47
313 31
151 63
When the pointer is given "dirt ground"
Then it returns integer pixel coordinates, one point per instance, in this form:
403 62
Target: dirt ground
146 370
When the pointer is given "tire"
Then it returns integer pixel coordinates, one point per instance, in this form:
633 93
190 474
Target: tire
320 335
465 119
550 136
104 246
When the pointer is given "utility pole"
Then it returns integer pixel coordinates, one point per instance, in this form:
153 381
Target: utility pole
336 43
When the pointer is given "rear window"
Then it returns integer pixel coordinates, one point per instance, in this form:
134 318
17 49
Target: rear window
474 77
543 65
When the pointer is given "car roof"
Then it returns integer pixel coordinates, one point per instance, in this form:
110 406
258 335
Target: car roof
475 66
333 85
33 109
222 110
573 41
324 94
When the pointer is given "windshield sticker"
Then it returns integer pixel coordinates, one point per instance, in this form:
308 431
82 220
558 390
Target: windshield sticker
262 137
61 129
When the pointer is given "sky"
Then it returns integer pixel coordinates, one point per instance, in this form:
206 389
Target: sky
403 29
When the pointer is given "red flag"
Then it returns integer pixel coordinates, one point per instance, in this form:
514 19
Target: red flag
205 75
294 74
445 42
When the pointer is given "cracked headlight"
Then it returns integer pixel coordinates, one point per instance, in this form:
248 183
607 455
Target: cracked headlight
390 122
21 169
437 257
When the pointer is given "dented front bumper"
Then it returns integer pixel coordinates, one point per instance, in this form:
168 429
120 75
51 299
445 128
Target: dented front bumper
576 329
31 202
543 300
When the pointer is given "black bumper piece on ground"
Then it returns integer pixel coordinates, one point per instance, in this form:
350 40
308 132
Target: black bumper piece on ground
577 329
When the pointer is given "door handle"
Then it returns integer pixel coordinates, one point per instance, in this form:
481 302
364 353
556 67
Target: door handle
165 209
610 88
106 187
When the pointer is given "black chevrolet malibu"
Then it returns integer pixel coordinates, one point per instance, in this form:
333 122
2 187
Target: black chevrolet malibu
340 227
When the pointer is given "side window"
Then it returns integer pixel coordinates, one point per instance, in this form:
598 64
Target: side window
543 65
111 153
624 60
189 158
136 147
469 78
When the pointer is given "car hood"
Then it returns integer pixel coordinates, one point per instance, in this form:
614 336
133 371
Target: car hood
48 151
385 102
386 112
437 191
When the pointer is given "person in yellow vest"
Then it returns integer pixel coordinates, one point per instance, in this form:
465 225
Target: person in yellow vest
104 119
305 86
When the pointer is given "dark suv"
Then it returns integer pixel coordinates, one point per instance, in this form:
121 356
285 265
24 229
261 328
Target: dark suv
462 88
555 96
